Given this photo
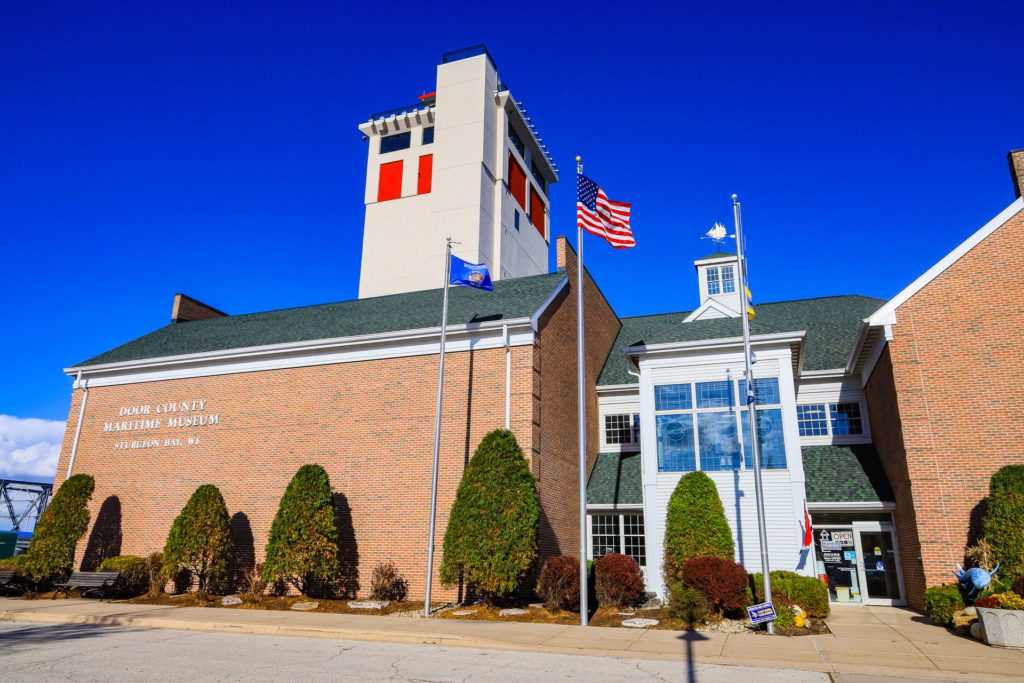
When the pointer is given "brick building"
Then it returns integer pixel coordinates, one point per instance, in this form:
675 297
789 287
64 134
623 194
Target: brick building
868 411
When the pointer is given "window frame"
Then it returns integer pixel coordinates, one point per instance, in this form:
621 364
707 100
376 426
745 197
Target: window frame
699 404
406 136
831 435
714 286
423 137
636 521
635 429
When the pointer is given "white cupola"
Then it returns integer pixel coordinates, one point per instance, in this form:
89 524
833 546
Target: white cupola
718 279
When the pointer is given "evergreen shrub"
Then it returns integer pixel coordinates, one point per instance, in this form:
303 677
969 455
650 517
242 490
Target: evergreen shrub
491 540
303 549
199 543
1004 519
559 583
51 553
619 580
695 525
807 592
722 581
942 602
133 574
687 605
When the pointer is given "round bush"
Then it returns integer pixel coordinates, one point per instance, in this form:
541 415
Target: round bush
491 538
804 591
303 546
722 581
387 583
695 525
51 553
133 574
687 605
1004 519
619 581
942 602
559 583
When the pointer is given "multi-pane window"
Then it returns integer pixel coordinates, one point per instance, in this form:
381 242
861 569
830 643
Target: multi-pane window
618 533
830 419
707 433
728 279
812 419
714 285
622 429
516 141
846 419
538 176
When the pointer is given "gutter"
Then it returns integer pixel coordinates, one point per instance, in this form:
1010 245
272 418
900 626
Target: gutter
668 347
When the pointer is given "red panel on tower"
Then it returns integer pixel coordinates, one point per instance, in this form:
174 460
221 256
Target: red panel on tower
517 181
537 212
426 174
389 184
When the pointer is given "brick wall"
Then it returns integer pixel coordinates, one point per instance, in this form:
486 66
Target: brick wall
945 402
556 401
370 424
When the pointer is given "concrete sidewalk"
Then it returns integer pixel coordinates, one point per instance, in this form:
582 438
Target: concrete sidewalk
872 641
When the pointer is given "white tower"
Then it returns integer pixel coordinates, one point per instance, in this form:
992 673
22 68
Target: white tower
465 162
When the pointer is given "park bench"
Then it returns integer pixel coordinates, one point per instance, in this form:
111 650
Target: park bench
8 580
87 582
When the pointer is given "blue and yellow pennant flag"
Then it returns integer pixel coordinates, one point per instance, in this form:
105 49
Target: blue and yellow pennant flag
749 303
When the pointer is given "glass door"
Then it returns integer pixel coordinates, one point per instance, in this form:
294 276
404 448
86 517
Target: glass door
878 563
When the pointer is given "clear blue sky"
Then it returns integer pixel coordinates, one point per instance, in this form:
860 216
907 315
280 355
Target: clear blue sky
212 148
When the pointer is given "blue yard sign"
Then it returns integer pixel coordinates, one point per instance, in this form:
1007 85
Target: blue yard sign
759 614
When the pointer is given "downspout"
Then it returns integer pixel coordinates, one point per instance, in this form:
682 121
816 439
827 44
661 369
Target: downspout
84 384
508 377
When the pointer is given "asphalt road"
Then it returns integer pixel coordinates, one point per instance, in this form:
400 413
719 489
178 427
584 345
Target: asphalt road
47 652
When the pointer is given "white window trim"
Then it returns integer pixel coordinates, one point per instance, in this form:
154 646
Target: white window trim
831 439
619 512
631 447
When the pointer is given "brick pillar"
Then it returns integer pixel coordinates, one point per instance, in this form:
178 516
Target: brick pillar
1016 159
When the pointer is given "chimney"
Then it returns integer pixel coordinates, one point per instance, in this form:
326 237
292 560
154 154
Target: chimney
186 309
1016 159
563 252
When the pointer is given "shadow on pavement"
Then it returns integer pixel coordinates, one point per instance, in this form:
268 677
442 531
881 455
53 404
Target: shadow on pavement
691 637
17 636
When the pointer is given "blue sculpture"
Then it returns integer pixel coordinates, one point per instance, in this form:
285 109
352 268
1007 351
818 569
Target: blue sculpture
974 580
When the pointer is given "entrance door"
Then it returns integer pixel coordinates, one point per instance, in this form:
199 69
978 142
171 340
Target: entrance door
878 565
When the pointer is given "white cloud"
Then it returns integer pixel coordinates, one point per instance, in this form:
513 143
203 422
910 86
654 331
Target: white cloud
29 447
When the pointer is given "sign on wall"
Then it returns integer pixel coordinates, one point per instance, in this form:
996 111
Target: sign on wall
170 419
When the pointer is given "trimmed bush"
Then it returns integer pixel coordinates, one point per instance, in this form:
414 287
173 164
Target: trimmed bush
559 583
1018 586
133 578
619 581
695 525
17 563
687 605
491 540
1004 519
942 602
783 612
199 543
723 582
51 553
805 591
387 583
303 548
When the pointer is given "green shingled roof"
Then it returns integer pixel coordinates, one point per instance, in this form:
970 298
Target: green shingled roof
717 254
831 323
845 474
512 298
615 480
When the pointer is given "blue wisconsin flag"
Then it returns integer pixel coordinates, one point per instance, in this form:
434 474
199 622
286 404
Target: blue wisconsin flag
466 274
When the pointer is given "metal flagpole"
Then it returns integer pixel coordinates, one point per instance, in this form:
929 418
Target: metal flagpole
582 416
752 411
437 427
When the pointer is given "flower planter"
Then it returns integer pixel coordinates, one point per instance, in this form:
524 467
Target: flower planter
1003 627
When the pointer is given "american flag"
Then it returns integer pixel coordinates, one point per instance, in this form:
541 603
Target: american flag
600 216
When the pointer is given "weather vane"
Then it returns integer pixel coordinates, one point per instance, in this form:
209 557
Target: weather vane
716 234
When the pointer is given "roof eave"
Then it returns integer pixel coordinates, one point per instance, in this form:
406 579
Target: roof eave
795 337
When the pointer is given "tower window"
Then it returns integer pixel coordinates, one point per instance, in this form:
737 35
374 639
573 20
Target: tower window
389 183
428 135
537 211
517 181
539 177
728 279
721 280
517 141
393 143
714 285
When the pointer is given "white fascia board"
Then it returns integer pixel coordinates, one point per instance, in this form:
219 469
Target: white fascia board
862 335
535 318
618 388
611 507
711 304
308 353
824 374
876 353
849 507
713 261
505 100
710 344
886 315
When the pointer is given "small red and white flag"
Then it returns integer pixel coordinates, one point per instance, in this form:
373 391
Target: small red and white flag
808 535
600 216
